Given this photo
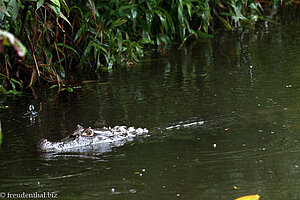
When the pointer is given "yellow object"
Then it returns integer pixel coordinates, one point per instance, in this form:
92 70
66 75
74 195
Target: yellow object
249 197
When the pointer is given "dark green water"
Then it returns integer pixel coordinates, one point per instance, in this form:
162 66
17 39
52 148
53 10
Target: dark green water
246 89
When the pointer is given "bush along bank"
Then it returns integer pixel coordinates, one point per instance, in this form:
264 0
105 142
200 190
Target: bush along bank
44 41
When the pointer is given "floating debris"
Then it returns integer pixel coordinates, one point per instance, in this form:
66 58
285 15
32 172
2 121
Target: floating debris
132 191
249 197
32 114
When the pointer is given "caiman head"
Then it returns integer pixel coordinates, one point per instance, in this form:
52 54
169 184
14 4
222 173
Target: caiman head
96 139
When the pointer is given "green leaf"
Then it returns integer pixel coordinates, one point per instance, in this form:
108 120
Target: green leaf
10 40
225 23
134 13
86 52
139 50
17 82
250 2
163 20
118 22
69 89
55 8
64 18
79 32
2 90
98 62
58 12
65 5
39 4
181 21
12 84
3 8
119 39
61 71
148 19
162 38
165 39
53 86
170 21
56 3
68 47
13 9
76 7
189 8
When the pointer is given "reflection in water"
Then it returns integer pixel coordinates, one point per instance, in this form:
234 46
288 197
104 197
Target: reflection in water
241 90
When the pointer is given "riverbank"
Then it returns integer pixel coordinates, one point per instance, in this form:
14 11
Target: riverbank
63 40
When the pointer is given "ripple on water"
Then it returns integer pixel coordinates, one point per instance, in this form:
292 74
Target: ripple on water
227 138
46 175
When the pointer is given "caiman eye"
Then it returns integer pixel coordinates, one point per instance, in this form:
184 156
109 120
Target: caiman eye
88 132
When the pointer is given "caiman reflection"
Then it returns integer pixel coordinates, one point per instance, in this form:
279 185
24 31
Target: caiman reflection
98 140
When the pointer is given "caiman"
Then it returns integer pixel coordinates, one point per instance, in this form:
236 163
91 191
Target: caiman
100 140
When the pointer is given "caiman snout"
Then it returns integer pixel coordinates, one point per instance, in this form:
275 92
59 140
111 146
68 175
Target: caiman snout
44 145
